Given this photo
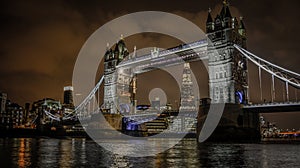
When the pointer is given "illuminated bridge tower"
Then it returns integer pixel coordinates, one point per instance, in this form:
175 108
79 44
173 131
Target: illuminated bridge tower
227 68
118 83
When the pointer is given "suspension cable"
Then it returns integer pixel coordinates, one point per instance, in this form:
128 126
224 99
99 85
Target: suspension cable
287 91
292 80
273 89
296 95
267 62
260 88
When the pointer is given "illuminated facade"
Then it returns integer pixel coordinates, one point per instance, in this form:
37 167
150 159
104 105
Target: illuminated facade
11 114
227 68
14 114
3 98
68 95
68 103
119 84
187 98
52 106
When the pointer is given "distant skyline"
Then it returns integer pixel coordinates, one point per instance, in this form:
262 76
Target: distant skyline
41 40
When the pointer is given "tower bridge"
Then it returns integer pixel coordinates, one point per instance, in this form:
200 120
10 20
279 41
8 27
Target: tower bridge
228 58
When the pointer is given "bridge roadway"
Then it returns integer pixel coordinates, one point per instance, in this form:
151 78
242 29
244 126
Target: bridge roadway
255 108
151 115
273 107
260 108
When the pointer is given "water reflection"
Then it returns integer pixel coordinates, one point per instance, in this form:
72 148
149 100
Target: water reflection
64 152
43 152
184 153
24 155
228 155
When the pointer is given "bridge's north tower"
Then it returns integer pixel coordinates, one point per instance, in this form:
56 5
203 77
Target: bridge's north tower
117 85
227 68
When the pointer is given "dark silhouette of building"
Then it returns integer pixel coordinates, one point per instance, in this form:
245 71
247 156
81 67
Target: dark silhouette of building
11 114
26 111
68 97
3 98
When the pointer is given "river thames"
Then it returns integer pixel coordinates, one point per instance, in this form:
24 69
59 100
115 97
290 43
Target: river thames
44 152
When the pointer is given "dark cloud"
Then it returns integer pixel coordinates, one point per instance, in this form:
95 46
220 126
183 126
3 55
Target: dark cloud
40 40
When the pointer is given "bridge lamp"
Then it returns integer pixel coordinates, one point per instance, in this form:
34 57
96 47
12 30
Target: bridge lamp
240 96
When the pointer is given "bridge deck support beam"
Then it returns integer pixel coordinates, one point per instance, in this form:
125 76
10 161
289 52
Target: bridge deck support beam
296 94
259 74
273 89
287 91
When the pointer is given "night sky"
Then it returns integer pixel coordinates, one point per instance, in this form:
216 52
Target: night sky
41 40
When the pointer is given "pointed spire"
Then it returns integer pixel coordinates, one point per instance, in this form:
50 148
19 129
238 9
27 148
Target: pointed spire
45 102
222 13
108 52
242 29
134 52
209 22
225 12
187 98
242 26
209 18
107 46
225 2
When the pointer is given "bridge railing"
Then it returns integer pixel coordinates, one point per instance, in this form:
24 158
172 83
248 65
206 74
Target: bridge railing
273 104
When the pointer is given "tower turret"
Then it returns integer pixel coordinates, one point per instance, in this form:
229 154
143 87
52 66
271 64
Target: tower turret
227 68
110 61
121 50
209 22
242 29
225 15
119 91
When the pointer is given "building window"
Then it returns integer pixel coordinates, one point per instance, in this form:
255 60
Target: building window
217 93
225 94
221 74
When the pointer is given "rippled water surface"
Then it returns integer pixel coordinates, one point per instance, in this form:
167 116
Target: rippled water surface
43 152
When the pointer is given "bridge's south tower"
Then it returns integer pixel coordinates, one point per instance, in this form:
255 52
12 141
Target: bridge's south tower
227 68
